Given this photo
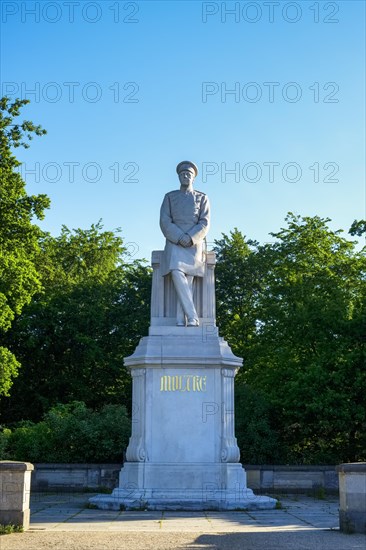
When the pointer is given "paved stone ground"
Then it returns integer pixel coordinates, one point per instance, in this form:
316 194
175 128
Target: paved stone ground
62 522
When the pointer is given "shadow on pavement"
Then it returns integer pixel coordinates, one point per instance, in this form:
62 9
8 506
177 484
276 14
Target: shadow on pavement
289 540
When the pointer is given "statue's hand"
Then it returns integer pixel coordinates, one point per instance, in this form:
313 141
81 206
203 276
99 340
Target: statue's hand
185 241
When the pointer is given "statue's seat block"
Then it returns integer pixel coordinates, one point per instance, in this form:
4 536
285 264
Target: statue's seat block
164 297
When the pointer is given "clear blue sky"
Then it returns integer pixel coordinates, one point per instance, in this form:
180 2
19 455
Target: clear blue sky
139 99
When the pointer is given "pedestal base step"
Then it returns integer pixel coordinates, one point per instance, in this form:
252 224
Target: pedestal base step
182 500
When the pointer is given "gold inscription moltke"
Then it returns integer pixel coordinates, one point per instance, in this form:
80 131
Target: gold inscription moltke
183 383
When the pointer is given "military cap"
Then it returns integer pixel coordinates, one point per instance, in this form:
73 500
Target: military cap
187 165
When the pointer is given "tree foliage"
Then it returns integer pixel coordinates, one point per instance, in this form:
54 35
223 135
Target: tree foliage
255 426
73 337
358 227
70 433
302 335
19 236
238 281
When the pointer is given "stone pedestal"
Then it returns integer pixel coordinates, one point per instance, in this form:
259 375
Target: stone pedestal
352 497
183 452
15 483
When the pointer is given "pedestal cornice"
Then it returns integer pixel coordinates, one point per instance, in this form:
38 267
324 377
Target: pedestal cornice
185 350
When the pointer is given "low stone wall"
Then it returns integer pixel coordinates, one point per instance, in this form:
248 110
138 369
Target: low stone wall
292 479
74 477
262 479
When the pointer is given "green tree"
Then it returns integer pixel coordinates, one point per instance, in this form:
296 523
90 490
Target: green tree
237 285
255 426
306 355
70 433
19 236
304 339
358 227
90 314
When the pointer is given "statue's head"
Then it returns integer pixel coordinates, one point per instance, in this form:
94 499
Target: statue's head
186 171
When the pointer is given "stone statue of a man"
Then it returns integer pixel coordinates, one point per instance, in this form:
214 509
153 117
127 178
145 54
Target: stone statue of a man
184 220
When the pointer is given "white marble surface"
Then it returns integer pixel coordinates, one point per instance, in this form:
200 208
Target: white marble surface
183 453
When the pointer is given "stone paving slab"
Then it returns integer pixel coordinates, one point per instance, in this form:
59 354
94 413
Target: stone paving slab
69 512
63 522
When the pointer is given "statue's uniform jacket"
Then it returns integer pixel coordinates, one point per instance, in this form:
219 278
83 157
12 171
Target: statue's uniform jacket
184 212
